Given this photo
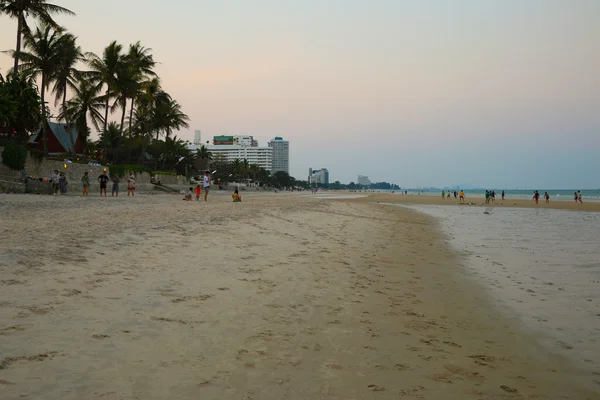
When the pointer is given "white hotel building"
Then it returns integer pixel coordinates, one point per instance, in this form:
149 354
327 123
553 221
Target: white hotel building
242 148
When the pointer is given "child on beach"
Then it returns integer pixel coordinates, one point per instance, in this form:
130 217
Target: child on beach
85 182
115 188
579 196
55 178
198 191
236 197
462 196
131 186
188 195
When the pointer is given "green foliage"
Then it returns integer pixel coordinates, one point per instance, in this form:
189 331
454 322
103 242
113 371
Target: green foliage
128 169
20 104
164 173
14 155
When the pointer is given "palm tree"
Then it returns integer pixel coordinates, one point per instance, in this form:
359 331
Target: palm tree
142 63
169 117
69 54
85 104
104 70
41 58
38 9
21 108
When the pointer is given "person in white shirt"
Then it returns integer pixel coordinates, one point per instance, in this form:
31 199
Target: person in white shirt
206 185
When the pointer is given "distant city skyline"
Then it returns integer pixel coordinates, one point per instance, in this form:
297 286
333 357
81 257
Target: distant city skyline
496 94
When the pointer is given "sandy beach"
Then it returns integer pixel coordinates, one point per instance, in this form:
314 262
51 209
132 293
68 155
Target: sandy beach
281 296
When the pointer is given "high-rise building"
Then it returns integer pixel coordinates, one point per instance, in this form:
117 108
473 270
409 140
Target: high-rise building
281 155
318 176
198 138
363 180
242 148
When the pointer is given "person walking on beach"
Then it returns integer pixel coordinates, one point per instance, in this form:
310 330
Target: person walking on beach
63 183
131 186
579 196
443 195
503 195
85 182
487 196
462 196
115 187
206 185
547 197
493 196
536 197
103 179
198 191
455 195
55 179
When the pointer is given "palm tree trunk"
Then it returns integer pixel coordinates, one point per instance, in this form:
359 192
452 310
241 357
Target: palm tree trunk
44 122
124 109
64 103
105 123
18 47
130 119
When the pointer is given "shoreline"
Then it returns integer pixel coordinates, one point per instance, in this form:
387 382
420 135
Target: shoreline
276 297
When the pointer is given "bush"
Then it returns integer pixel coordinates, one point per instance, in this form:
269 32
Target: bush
14 155
127 169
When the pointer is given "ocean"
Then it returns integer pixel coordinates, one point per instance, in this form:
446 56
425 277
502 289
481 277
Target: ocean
542 265
555 194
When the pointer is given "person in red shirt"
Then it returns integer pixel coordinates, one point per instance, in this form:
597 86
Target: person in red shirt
198 191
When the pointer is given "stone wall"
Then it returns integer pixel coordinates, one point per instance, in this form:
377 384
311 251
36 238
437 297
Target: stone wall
73 171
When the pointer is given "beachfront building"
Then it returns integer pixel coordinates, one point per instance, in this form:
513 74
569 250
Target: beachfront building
59 141
281 155
318 176
242 148
363 180
197 138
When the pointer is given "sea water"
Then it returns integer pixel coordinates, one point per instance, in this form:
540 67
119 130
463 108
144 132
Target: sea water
542 265
555 195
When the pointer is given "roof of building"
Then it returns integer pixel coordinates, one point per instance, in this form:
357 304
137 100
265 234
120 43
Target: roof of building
60 133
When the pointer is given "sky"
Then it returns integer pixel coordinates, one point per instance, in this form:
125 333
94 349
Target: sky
497 94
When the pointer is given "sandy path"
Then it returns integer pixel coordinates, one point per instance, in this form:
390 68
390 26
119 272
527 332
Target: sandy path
279 297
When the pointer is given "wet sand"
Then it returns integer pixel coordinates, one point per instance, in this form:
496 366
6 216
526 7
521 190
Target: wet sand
278 297
479 201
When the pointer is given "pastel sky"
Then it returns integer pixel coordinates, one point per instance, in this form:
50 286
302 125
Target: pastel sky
498 94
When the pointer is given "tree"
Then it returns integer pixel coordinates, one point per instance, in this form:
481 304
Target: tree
20 9
283 179
85 104
23 112
65 73
104 70
42 58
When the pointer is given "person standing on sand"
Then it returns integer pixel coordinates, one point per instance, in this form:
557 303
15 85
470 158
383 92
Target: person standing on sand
579 196
63 183
536 196
487 196
103 179
462 196
206 185
575 196
131 186
443 195
493 196
55 178
547 197
198 191
85 182
115 187
503 195
455 195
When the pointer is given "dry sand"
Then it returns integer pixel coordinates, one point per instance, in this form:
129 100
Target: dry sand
278 297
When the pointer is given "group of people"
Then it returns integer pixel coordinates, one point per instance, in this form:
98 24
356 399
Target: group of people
490 196
104 180
536 197
205 184
460 195
59 183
